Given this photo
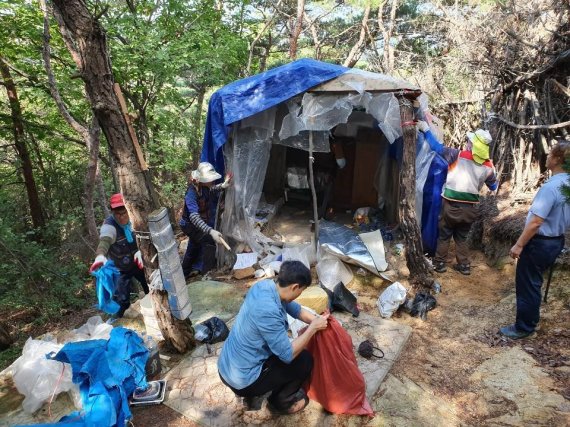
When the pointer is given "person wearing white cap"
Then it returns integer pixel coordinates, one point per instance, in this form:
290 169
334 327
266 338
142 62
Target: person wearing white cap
198 218
468 170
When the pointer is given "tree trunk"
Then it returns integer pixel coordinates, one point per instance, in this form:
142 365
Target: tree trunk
356 51
196 125
89 135
5 338
85 39
36 211
296 30
387 33
415 260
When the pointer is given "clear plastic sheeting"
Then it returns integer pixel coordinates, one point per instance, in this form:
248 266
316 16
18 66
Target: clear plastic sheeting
301 141
360 81
324 111
423 162
247 159
344 243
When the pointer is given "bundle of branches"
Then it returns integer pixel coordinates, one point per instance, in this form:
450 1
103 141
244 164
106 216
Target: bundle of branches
500 224
519 56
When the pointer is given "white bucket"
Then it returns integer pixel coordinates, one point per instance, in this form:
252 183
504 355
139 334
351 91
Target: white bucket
150 321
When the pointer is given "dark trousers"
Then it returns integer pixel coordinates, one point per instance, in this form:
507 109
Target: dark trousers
124 286
536 257
200 253
455 221
282 379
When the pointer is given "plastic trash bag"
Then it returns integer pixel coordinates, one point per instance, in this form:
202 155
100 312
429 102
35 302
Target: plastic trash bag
423 302
36 377
332 270
93 329
336 382
390 299
217 330
342 299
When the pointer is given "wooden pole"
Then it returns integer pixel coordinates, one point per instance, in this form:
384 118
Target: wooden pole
313 191
415 260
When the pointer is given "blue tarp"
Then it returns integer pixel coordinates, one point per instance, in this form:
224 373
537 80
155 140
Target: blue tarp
107 373
106 279
254 94
432 203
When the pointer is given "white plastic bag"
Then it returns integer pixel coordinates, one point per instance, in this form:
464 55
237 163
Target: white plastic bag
38 378
332 270
392 297
93 329
304 253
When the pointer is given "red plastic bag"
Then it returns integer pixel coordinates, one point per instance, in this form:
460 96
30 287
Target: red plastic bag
336 382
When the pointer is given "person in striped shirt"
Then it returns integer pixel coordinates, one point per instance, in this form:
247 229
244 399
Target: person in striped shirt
198 219
468 171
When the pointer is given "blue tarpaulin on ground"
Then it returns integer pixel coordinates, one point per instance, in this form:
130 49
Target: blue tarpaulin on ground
107 371
254 94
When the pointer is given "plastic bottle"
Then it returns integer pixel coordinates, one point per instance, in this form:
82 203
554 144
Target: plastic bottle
153 363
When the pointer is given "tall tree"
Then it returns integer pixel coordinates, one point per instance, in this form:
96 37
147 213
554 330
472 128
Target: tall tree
36 212
86 40
296 29
89 134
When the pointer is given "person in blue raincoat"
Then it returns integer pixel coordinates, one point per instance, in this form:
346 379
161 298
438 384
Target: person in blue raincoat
199 217
117 241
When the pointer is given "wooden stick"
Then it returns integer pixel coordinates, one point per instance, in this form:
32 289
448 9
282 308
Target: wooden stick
225 244
132 133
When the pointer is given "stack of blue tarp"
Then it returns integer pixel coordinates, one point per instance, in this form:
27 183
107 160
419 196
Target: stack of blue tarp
107 371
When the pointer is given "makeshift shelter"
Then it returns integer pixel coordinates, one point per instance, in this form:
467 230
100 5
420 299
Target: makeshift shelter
265 128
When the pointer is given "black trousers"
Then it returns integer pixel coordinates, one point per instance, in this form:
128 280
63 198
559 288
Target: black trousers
282 379
200 253
124 286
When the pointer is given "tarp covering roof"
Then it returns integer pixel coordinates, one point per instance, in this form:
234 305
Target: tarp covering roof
249 96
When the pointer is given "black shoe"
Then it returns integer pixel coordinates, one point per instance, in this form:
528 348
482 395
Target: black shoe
464 269
512 332
439 267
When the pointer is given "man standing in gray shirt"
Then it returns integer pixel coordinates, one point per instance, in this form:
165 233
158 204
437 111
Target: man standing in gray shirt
540 243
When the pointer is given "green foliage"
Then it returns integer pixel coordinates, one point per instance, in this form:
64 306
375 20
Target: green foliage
39 277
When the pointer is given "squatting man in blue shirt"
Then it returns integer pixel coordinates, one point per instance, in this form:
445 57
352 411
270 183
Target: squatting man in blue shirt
258 356
540 243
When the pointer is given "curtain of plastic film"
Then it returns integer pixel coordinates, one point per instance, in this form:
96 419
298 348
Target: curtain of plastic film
322 112
246 157
301 141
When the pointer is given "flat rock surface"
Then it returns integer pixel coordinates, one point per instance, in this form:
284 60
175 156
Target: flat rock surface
195 389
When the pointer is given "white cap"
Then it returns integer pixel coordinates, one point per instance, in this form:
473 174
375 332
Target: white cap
481 135
205 173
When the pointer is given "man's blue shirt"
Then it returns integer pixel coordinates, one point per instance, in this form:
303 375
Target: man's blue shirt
260 330
551 205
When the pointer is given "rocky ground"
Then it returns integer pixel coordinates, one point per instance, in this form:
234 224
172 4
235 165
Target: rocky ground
455 369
